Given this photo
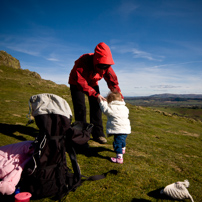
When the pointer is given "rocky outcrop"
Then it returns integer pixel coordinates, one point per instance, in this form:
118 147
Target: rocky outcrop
8 60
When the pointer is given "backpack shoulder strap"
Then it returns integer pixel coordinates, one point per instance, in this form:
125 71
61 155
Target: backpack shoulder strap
99 177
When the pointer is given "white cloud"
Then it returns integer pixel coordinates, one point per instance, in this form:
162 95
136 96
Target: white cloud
28 45
126 8
142 54
137 53
23 49
42 46
52 59
165 86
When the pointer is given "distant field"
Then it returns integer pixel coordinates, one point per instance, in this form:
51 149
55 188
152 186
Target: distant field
189 103
191 108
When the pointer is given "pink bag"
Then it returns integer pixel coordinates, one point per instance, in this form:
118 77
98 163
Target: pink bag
13 158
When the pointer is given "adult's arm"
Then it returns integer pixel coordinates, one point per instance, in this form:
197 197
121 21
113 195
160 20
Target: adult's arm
84 87
112 80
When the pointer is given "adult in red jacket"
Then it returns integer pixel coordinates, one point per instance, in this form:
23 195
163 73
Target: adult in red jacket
83 79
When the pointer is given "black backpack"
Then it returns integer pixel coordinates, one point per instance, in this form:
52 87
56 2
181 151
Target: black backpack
47 174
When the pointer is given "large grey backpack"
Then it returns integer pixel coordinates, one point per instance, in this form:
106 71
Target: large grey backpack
47 174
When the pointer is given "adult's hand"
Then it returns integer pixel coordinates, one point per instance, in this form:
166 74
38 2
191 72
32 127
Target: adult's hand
100 97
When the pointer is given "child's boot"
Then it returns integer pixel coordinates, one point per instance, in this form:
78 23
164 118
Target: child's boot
118 159
123 150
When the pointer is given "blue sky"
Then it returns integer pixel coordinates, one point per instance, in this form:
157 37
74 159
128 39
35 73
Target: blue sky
156 44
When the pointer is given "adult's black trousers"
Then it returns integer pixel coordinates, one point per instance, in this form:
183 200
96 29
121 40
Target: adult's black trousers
78 99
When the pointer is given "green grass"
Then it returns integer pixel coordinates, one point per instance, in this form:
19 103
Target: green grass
183 111
161 149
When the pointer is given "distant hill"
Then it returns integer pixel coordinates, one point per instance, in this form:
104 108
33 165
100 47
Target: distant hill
9 61
193 101
168 95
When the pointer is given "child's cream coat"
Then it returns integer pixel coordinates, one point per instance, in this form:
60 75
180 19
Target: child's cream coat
117 117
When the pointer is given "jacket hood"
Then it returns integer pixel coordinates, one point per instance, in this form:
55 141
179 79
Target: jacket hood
117 102
102 55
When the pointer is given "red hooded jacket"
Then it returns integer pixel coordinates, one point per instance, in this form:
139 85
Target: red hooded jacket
85 76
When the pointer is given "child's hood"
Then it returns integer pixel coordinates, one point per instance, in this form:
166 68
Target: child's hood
102 55
117 102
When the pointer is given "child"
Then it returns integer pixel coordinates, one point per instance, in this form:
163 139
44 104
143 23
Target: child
118 123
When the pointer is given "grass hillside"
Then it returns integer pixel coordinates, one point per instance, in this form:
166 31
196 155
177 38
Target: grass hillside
161 149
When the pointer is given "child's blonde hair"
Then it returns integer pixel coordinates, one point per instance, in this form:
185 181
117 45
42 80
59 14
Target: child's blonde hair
113 96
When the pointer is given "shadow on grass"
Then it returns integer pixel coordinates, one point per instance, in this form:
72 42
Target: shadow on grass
9 130
91 151
157 195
